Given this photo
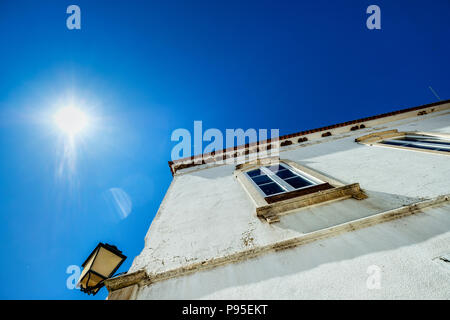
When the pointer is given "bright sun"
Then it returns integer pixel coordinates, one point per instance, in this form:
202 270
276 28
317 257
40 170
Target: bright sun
71 120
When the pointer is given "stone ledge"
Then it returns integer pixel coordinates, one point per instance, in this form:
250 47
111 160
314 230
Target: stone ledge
272 211
125 293
378 136
125 280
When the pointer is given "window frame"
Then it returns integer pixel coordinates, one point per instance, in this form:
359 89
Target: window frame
378 138
282 182
272 207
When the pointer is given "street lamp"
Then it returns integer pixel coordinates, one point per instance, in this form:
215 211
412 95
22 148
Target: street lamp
99 266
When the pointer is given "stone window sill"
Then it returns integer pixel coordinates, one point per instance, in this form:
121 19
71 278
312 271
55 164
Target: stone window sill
273 211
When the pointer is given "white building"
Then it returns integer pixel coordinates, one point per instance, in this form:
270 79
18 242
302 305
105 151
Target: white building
358 210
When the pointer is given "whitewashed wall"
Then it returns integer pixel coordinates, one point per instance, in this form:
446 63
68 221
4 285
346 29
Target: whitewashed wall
206 213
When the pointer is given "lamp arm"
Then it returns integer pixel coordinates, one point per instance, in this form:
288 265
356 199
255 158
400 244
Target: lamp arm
100 284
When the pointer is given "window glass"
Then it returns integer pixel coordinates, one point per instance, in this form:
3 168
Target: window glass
277 179
271 188
261 179
284 174
253 173
421 142
298 182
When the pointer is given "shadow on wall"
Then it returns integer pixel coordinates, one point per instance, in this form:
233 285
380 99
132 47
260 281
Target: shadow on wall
343 277
325 215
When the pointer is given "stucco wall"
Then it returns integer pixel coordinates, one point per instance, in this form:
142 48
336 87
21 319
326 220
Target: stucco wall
334 268
206 213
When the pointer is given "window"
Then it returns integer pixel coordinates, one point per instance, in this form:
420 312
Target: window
279 186
420 142
280 178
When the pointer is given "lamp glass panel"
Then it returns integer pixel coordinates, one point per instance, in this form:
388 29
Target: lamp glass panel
87 267
93 280
105 262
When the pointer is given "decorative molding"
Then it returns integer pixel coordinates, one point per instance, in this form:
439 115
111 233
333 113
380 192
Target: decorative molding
379 136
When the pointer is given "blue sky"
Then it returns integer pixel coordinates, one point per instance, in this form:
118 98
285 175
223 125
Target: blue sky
142 69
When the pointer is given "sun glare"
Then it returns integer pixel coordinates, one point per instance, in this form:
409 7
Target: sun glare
71 120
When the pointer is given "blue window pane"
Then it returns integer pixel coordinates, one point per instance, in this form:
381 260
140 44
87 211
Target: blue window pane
284 174
254 173
426 140
261 179
421 145
421 142
395 142
271 188
298 182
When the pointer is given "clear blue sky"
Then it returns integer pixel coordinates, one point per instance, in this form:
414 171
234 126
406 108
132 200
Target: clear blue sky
146 68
